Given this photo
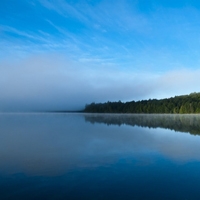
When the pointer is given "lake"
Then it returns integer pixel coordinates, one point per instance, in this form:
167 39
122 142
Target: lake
99 156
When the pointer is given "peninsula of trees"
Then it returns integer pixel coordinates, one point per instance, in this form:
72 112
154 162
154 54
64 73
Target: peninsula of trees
178 105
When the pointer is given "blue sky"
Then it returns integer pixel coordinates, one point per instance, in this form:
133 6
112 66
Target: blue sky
59 54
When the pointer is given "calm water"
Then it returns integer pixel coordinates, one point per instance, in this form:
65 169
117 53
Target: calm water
88 156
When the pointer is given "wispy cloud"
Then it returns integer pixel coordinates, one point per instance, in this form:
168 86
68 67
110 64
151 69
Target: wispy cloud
18 32
38 37
63 8
102 15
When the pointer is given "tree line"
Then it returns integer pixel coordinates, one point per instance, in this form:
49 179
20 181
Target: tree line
176 105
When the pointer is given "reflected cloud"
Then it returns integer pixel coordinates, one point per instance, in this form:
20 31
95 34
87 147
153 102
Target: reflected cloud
53 144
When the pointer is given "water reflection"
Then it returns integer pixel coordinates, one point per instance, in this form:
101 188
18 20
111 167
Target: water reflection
53 144
64 156
184 123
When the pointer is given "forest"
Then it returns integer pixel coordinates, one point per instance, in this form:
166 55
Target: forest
183 104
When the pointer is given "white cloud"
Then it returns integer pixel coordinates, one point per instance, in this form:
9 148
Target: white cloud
63 8
177 82
54 82
25 34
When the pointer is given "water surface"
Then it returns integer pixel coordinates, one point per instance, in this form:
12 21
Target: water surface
98 156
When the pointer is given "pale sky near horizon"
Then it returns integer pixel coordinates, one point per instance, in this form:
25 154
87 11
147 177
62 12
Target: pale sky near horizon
63 54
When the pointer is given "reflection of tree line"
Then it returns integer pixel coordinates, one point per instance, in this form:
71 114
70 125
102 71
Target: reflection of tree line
182 123
178 105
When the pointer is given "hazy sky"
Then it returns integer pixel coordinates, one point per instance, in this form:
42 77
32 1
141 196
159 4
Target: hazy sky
62 54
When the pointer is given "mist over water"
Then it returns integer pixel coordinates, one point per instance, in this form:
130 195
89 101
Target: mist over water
96 156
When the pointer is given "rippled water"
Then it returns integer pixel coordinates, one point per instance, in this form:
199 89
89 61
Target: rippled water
98 156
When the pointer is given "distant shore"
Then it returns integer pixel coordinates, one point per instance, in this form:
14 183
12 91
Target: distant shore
184 104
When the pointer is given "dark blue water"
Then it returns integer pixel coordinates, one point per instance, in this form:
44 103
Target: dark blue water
77 156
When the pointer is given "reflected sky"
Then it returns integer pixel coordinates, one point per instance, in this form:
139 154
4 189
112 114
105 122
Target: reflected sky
85 156
51 144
